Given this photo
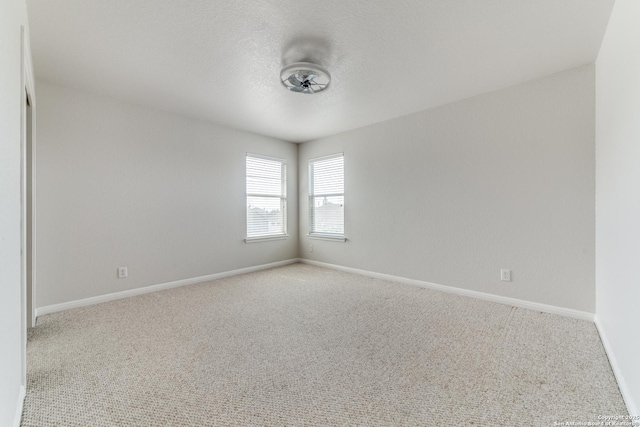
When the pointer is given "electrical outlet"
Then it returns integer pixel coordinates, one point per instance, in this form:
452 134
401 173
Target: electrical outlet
505 275
310 248
122 272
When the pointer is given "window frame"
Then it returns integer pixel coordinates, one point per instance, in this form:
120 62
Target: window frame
340 237
283 200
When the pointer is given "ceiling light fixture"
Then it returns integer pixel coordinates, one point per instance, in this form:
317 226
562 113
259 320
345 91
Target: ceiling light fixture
305 77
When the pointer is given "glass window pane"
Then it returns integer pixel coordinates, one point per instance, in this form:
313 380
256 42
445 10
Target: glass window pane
328 176
266 197
328 215
326 195
264 176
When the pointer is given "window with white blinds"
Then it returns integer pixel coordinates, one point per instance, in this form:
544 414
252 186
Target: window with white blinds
266 197
326 196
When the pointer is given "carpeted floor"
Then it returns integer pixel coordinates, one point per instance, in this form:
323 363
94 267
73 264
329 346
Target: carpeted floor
306 346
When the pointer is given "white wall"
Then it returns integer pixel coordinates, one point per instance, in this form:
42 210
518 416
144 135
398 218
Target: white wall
125 185
618 196
453 194
13 15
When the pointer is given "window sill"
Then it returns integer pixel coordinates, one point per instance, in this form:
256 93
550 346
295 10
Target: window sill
327 237
265 238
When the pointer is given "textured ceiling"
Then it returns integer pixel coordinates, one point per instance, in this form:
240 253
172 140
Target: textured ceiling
220 60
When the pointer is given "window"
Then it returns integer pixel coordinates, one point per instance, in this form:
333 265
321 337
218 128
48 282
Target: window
266 197
326 197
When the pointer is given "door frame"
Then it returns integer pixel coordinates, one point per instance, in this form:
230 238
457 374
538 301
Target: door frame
27 247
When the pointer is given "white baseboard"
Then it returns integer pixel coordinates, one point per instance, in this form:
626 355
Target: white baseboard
561 311
617 372
153 288
17 419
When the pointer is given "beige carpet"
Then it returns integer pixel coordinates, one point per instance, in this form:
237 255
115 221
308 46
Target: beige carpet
306 346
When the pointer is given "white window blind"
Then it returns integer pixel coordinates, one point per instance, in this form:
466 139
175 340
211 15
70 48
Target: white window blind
326 196
266 197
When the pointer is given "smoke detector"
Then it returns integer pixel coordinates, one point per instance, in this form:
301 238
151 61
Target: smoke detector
305 77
